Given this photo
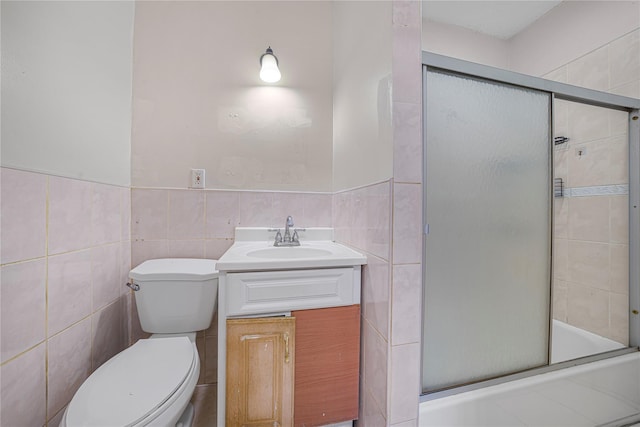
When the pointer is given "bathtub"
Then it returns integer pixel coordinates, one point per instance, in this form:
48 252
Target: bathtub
601 393
569 342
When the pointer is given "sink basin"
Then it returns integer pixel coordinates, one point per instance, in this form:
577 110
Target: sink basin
288 252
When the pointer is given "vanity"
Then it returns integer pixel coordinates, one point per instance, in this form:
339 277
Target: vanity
289 330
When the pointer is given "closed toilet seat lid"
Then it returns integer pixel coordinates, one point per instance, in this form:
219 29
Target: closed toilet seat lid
133 383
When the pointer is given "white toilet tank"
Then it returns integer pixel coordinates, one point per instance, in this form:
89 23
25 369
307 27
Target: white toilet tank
175 295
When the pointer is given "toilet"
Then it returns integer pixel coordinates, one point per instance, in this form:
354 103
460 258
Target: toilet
151 382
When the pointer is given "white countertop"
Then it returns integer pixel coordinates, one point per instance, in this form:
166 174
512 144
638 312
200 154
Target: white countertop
254 250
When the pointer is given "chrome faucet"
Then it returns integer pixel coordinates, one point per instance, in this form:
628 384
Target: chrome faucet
287 239
287 233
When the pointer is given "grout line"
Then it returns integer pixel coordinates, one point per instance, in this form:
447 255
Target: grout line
23 352
24 261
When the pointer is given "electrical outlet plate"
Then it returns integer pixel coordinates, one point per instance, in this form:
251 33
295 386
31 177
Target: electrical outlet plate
197 178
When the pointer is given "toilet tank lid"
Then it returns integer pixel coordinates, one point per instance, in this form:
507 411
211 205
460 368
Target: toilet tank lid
175 269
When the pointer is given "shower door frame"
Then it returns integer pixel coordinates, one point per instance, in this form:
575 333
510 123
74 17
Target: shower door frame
564 92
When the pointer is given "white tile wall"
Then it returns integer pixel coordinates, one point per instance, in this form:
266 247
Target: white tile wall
65 253
23 389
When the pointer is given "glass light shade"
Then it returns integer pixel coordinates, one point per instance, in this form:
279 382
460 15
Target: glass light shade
269 71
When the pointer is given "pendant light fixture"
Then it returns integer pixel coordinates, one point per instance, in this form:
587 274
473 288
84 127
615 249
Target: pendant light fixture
269 71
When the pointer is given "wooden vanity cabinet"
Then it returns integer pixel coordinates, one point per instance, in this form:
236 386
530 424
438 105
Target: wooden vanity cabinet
260 372
298 371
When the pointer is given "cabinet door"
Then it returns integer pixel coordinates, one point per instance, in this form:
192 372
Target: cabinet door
327 365
260 372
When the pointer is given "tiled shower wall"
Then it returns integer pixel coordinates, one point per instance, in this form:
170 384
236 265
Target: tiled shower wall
65 258
201 223
591 233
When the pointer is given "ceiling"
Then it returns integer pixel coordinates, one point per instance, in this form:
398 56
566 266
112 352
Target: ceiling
502 19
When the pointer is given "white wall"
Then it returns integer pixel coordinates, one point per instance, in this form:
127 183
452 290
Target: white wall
569 31
199 102
362 131
66 88
463 43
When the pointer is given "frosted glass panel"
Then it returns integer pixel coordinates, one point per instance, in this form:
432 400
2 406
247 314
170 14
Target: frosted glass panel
487 266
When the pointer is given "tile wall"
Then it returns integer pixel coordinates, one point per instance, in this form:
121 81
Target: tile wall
406 248
591 232
65 256
366 220
362 220
201 223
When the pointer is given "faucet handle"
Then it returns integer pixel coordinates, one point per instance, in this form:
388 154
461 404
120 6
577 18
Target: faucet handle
295 238
278 237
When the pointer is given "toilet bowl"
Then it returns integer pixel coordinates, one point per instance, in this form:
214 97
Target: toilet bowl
151 382
148 384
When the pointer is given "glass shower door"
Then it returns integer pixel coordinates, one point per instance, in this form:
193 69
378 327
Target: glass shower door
487 250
